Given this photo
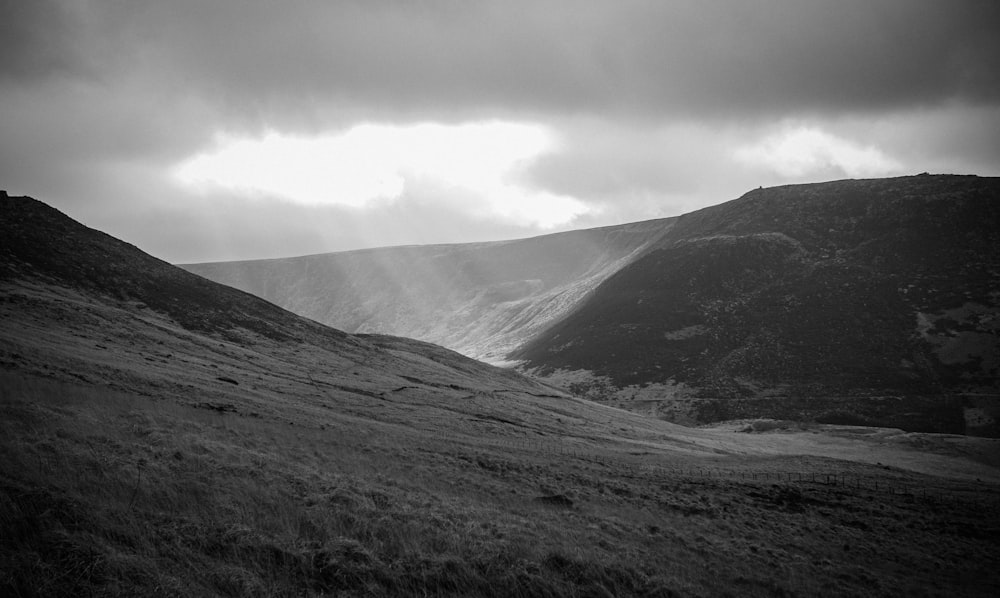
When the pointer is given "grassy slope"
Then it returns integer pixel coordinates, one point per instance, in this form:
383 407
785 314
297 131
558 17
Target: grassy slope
162 452
849 294
127 467
482 299
122 495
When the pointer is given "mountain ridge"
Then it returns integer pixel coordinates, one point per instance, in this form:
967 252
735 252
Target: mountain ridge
805 291
843 292
482 299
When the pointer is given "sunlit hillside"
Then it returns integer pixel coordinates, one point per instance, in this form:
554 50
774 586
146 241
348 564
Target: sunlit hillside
481 299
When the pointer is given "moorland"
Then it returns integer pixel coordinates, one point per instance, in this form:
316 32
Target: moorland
867 302
164 435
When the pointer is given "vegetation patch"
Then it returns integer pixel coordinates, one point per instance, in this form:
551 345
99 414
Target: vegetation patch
113 494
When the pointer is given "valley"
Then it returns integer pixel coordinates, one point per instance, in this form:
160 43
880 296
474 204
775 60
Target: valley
867 302
481 299
166 436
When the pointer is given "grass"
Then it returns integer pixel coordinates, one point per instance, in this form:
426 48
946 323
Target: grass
126 493
160 436
118 495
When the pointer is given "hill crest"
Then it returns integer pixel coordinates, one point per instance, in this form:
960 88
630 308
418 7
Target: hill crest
481 299
834 300
71 280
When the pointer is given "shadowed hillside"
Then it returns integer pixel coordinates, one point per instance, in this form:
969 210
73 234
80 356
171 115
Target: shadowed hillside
481 299
866 302
88 278
162 435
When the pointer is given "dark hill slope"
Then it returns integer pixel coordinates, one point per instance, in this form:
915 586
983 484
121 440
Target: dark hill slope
482 299
39 242
106 311
863 301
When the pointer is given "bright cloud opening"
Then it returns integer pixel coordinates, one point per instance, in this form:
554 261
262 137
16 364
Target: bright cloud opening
478 162
806 151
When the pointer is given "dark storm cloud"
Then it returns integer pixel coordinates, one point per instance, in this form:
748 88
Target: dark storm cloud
99 99
650 57
39 39
156 69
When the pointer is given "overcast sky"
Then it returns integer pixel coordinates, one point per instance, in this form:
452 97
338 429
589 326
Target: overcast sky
231 129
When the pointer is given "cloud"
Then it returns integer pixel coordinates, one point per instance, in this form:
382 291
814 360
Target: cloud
957 139
475 161
804 152
40 40
189 228
652 109
602 161
632 57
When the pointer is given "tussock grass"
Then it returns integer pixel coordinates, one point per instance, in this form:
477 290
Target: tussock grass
119 495
116 495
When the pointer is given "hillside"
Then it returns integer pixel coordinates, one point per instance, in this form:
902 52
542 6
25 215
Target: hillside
866 302
480 299
162 435
62 278
869 301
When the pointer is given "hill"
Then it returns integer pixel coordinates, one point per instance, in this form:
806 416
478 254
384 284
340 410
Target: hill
162 435
63 279
866 302
480 299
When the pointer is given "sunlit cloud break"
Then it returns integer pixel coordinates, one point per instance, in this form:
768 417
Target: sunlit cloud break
804 151
478 162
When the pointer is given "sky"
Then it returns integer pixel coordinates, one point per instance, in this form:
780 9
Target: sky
242 129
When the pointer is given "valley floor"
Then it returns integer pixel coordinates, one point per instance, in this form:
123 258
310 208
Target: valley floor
110 493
